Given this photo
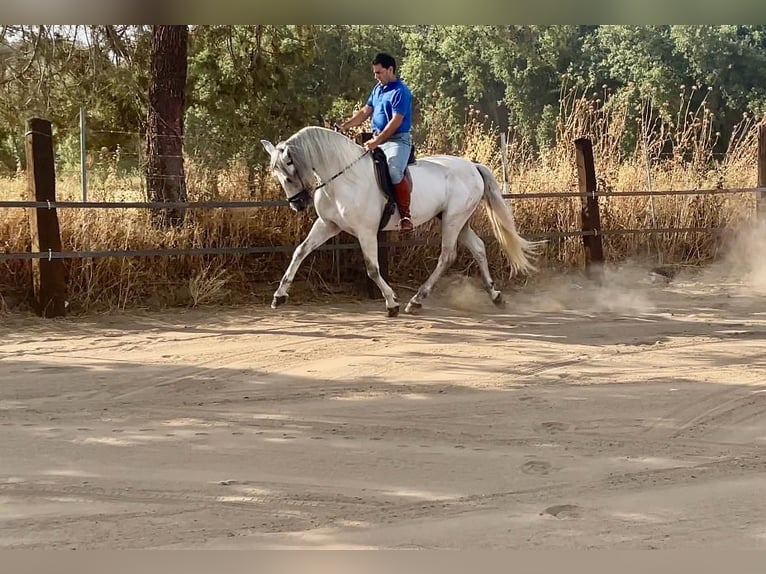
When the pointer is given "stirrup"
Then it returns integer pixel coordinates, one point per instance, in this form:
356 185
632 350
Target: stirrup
405 224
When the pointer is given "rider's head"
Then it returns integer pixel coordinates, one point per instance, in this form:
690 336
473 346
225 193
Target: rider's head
384 68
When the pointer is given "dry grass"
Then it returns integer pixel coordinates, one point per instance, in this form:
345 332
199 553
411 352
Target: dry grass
674 153
121 282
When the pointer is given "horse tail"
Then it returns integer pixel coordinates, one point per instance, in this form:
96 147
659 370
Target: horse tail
519 251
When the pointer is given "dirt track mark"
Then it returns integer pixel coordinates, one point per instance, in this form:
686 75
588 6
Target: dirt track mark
743 407
714 407
540 467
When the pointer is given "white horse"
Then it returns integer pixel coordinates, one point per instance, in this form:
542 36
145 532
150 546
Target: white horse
348 198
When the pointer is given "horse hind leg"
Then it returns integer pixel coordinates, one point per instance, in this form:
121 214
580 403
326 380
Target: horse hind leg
475 245
446 259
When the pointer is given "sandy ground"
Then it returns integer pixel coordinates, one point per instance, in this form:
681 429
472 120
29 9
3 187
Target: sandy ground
631 415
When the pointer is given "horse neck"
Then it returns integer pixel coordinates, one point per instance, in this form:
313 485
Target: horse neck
329 152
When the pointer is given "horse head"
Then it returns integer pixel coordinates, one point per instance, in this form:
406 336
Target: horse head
289 175
312 152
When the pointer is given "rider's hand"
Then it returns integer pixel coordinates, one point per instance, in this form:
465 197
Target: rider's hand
371 144
338 128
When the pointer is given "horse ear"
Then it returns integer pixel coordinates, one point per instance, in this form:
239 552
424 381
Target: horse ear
269 147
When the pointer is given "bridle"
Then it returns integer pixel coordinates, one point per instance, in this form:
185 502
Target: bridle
301 200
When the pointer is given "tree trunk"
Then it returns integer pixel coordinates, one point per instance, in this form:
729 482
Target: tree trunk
165 179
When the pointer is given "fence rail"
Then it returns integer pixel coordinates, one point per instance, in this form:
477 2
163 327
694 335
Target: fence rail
50 255
47 255
284 203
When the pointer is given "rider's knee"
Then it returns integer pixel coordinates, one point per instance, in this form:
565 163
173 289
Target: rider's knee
397 174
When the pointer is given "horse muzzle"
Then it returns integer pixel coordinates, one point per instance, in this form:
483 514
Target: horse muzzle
300 201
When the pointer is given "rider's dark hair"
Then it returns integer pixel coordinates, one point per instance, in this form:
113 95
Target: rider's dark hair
385 60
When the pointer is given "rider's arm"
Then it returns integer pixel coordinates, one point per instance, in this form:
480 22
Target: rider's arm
389 130
357 118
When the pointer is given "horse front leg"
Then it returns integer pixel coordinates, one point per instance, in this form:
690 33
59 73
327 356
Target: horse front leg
320 232
369 244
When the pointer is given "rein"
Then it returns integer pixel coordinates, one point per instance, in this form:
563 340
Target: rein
301 200
341 172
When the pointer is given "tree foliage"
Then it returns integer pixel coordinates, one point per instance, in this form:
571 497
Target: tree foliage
259 81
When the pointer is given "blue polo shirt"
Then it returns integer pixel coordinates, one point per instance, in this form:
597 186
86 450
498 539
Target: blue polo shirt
385 100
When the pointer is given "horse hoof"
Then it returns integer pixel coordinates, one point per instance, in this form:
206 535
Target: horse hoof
393 311
413 307
498 300
278 300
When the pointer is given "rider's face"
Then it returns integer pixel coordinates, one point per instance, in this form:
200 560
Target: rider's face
383 75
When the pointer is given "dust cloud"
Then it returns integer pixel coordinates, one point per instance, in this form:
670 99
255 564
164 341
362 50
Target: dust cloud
632 287
743 264
624 290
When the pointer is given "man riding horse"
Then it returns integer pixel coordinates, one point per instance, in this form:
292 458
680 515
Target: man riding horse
390 105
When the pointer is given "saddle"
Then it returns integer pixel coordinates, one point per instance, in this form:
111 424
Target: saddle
383 177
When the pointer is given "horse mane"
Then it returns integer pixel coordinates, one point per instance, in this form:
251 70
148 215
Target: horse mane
317 149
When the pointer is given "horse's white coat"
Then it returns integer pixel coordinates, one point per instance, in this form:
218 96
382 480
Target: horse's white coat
352 202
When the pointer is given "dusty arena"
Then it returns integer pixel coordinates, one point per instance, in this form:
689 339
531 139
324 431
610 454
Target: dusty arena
626 415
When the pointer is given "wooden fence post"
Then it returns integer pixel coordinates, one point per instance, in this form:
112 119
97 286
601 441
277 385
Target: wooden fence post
760 200
48 282
591 220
